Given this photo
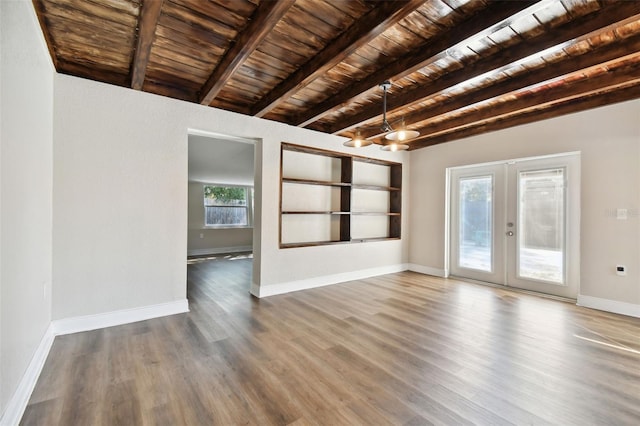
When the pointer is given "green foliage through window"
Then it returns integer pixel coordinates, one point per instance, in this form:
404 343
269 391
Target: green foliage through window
231 195
226 205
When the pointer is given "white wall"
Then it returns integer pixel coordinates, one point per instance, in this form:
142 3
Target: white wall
286 269
120 206
213 240
26 112
609 139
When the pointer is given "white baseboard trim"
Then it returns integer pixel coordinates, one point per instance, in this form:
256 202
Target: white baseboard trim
219 250
287 287
18 403
609 305
428 270
255 289
125 316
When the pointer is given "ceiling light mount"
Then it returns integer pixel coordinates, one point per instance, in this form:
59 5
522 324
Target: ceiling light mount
396 136
386 127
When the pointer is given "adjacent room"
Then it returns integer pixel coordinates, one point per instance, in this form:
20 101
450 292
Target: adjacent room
329 212
220 206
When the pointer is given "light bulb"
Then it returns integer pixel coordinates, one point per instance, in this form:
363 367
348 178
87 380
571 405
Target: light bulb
402 135
394 147
356 142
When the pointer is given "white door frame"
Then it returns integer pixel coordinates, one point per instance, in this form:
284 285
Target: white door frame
573 196
571 168
497 173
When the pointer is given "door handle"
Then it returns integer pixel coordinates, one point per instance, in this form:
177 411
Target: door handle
510 233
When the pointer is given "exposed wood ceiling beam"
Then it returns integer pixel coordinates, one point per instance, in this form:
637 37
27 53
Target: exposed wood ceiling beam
372 24
606 96
600 55
530 56
610 14
172 91
85 71
528 98
262 22
149 14
481 24
37 5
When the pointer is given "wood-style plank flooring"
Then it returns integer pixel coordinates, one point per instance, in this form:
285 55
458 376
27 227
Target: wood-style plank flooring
397 349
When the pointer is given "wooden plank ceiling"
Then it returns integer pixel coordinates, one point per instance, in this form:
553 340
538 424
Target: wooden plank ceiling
457 67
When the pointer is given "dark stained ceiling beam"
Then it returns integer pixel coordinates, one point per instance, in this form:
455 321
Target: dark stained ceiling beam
372 24
262 22
149 14
606 96
610 14
531 98
480 24
91 73
39 8
164 89
602 54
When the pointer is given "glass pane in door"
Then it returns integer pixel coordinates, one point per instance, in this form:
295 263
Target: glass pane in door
475 223
541 225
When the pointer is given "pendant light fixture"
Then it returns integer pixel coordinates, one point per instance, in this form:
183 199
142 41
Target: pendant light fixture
357 141
397 137
402 134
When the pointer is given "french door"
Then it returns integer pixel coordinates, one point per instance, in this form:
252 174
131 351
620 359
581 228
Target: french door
517 223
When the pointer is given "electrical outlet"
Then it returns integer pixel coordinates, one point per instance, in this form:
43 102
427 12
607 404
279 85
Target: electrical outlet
201 235
621 270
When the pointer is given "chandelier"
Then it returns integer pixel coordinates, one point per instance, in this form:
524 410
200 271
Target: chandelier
396 137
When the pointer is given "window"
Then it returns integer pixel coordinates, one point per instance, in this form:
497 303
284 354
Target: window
228 205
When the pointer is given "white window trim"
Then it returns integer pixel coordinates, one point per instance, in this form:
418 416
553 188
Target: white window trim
248 206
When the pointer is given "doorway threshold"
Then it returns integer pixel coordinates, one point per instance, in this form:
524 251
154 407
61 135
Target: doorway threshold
515 289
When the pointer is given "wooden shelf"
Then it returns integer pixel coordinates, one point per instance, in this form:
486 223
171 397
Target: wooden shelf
313 244
314 182
314 151
375 175
368 240
374 187
342 213
328 243
375 214
315 212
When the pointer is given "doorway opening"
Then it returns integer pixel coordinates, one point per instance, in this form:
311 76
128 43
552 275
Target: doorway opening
221 198
516 223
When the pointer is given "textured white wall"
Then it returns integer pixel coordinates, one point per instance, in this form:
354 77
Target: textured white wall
609 139
120 206
26 112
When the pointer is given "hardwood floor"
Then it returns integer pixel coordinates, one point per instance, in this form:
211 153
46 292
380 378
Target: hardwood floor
397 349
